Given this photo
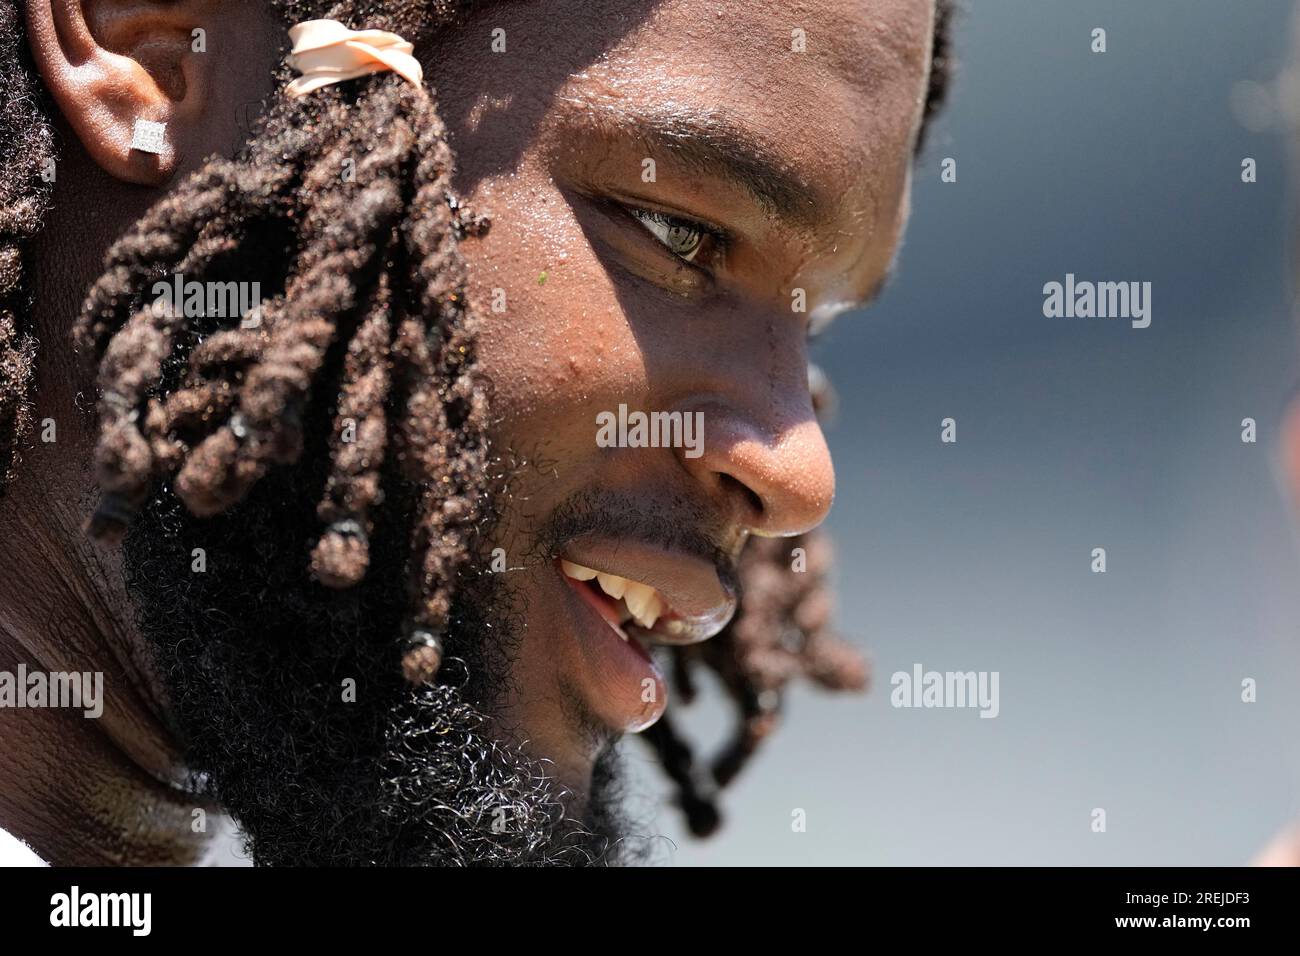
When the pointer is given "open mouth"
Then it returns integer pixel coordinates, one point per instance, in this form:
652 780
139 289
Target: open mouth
660 597
619 600
679 600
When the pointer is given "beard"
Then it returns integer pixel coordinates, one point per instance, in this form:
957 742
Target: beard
294 716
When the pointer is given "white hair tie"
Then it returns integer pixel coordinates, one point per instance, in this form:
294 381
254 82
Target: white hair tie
326 52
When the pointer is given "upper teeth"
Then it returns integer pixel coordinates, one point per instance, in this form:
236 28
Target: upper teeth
641 601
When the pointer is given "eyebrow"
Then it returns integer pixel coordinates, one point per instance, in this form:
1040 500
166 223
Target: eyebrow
715 144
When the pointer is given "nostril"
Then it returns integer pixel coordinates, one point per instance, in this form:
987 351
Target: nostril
731 485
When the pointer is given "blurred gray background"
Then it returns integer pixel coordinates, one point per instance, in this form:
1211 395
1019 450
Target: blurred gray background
1118 690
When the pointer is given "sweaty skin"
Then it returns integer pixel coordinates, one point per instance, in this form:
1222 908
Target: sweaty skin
551 149
551 139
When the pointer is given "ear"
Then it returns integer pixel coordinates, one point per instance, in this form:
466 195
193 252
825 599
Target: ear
111 63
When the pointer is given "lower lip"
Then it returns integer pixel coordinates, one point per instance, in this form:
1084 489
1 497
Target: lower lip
625 687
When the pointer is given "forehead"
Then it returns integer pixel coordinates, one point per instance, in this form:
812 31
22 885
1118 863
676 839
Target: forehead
834 87
828 92
832 91
802 65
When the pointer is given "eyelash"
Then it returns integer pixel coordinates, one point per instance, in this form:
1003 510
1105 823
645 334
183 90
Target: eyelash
720 239
721 243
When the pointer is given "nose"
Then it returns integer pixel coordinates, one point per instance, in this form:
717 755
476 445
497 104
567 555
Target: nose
776 473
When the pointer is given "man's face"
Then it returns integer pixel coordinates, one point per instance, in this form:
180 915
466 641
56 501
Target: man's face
676 192
686 285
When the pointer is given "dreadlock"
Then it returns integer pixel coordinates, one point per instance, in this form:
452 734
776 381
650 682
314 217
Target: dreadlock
354 183
340 207
26 150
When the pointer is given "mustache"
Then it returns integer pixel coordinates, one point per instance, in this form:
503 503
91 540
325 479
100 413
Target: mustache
672 522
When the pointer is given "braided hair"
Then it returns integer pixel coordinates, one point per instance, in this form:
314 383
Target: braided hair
26 152
340 206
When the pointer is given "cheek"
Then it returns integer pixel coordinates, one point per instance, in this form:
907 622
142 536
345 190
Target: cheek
554 339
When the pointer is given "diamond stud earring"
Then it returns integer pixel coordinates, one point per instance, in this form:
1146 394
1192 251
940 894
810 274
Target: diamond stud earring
149 137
